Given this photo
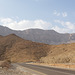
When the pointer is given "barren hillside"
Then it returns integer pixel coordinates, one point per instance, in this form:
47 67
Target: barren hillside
19 50
64 53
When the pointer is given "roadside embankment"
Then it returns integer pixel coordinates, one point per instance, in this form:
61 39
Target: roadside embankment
13 70
27 71
8 68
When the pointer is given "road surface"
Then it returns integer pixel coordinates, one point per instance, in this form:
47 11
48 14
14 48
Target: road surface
49 70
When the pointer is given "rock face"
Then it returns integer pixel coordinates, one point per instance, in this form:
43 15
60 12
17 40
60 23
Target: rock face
39 35
17 49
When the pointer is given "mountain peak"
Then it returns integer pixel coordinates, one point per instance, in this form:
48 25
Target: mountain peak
12 34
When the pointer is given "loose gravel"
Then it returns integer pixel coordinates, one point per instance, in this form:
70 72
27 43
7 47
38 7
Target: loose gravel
12 71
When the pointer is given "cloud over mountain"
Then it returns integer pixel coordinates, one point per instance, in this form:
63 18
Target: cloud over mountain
61 26
24 24
67 26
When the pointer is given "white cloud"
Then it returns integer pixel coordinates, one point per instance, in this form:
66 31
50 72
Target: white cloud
58 21
61 30
62 14
67 26
70 25
24 24
56 13
60 26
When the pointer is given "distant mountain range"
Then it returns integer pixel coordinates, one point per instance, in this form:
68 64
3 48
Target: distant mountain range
39 35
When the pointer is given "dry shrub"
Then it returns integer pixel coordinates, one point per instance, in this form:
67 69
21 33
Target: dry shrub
6 64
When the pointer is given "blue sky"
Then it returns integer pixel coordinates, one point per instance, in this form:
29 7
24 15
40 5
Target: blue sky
44 14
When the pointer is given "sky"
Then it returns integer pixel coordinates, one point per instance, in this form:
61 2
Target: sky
58 15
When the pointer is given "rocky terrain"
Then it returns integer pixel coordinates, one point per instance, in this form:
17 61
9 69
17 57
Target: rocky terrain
10 72
18 70
17 49
64 53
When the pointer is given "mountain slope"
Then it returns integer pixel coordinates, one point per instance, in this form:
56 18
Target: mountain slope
46 36
64 53
19 50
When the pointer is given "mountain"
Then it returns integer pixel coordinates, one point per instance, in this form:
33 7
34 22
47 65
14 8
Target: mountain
39 35
64 53
19 50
